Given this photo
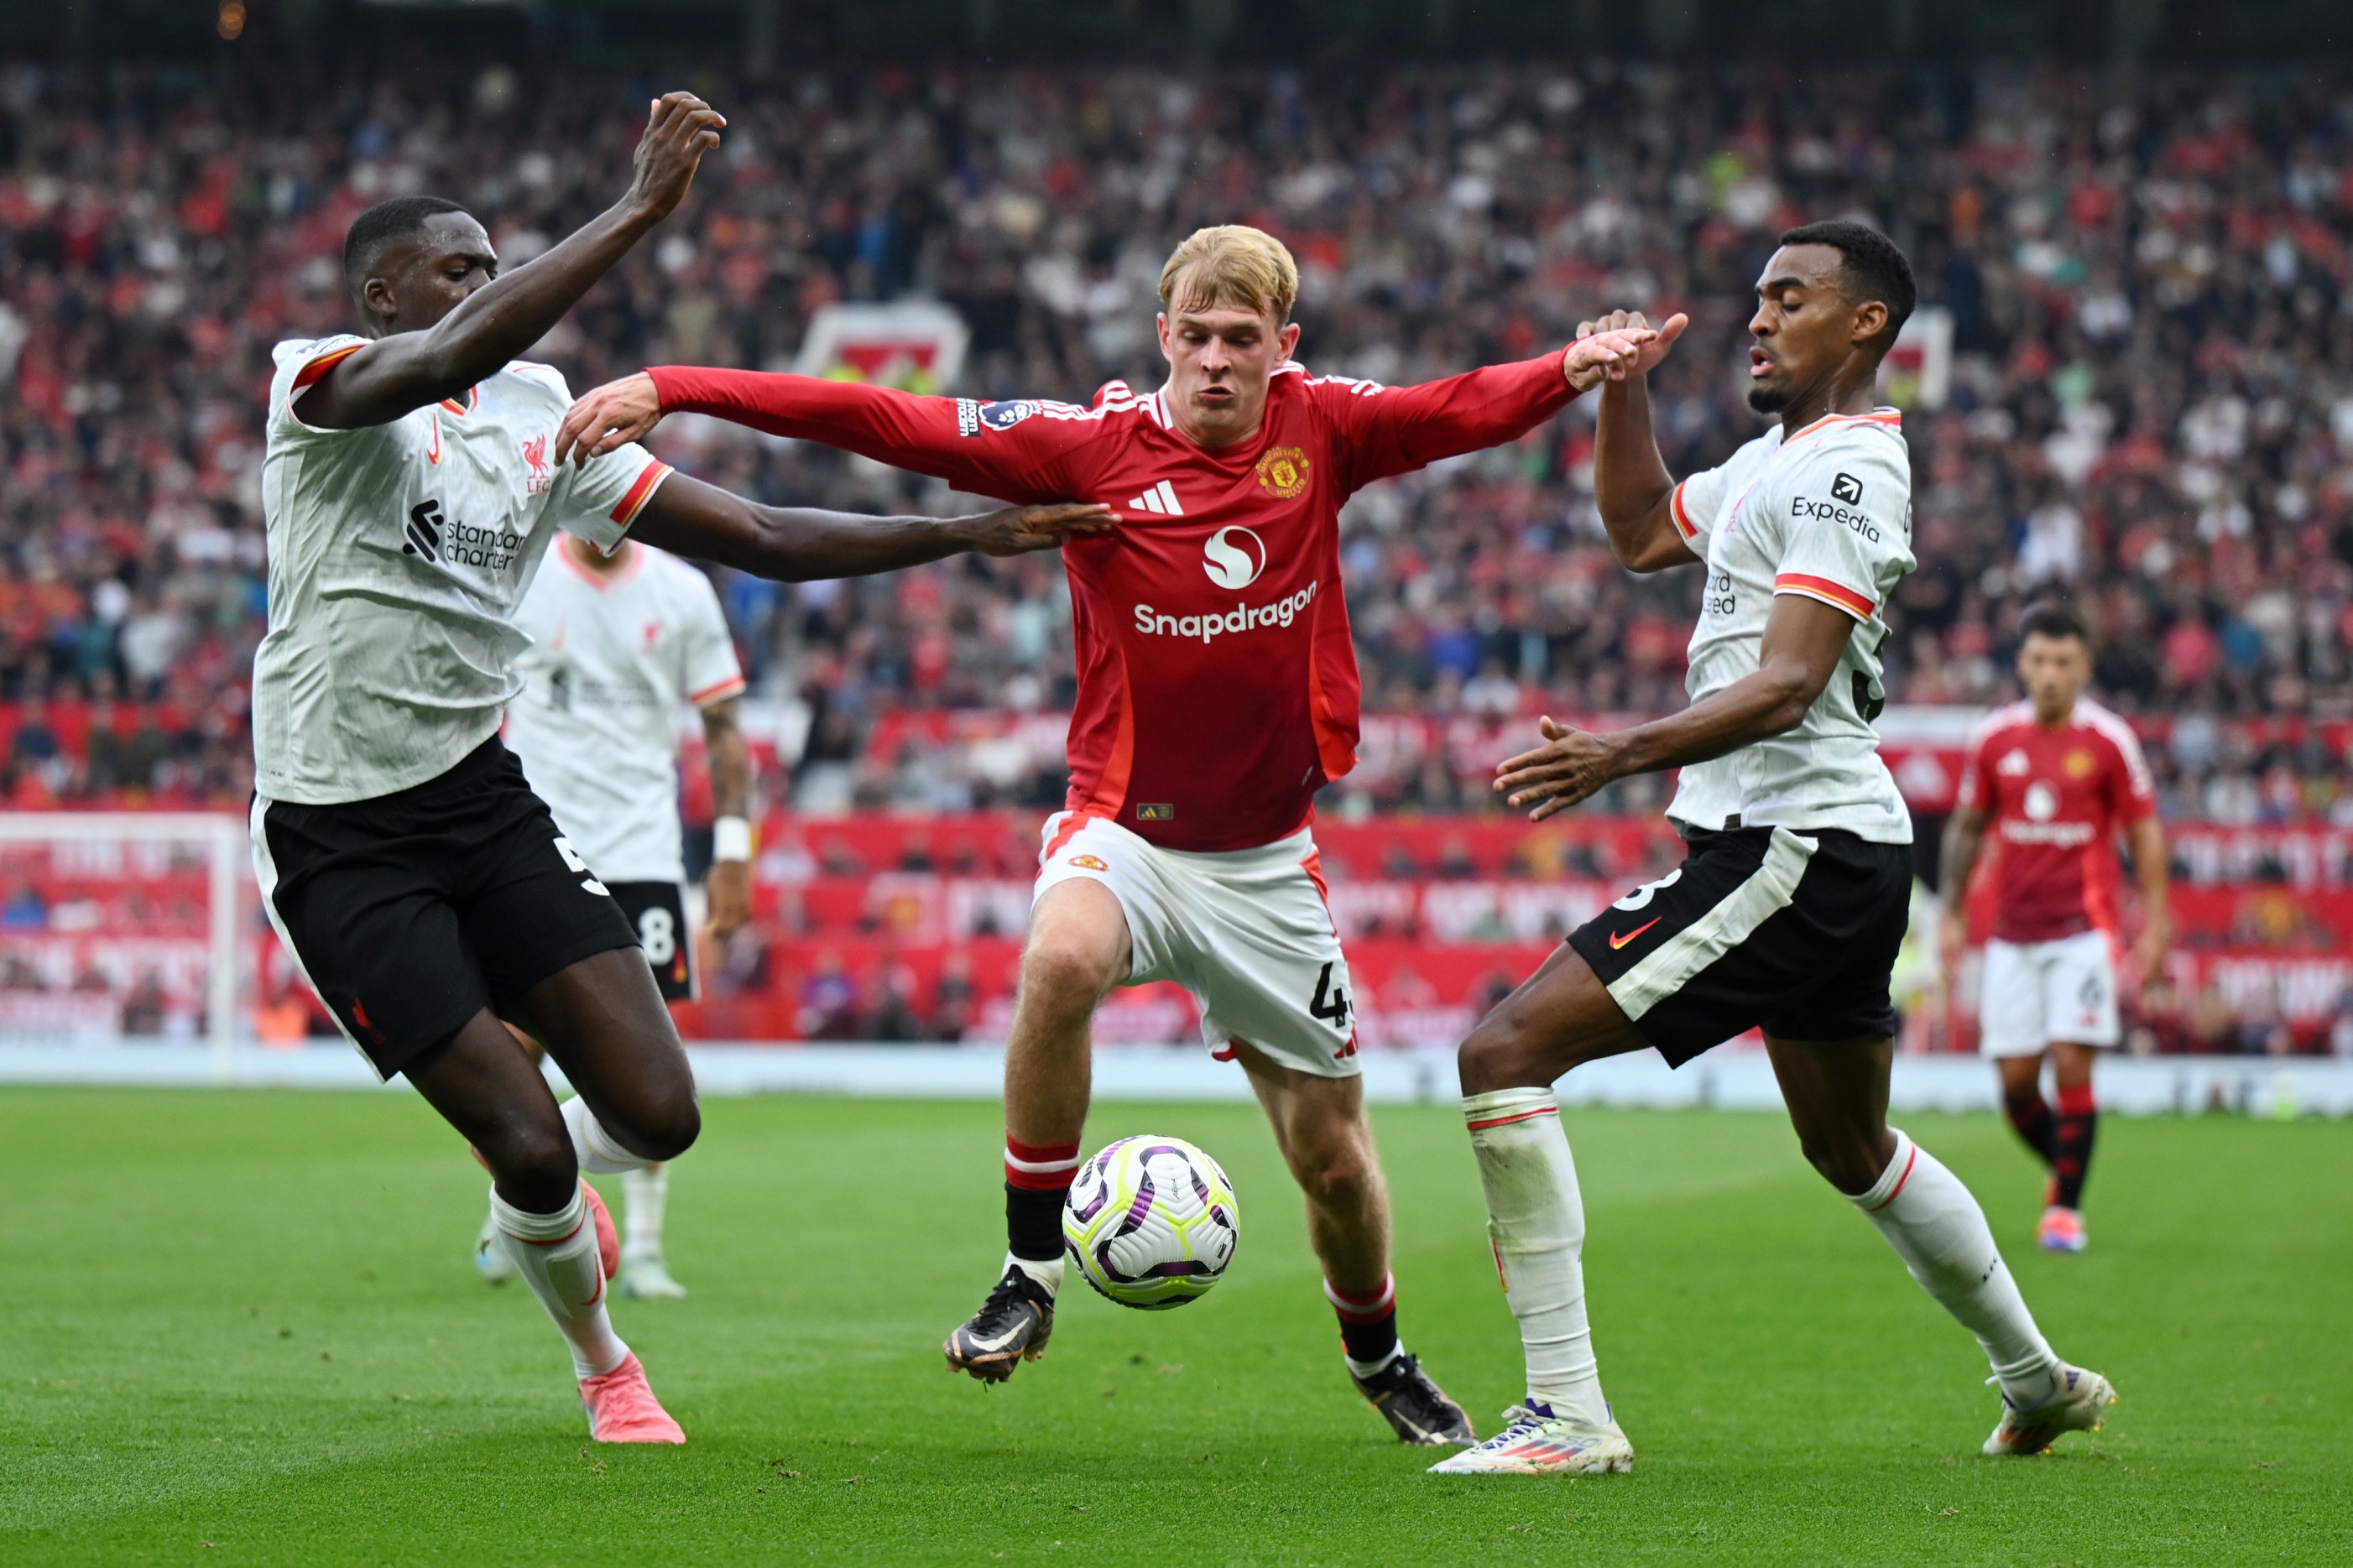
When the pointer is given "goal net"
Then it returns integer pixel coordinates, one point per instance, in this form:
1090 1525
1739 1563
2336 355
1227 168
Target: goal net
121 927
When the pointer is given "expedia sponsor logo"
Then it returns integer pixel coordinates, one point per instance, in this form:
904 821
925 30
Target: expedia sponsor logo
1806 510
973 418
1152 622
1848 489
447 543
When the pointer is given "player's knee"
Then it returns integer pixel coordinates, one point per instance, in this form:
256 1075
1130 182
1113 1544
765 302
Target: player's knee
1334 1176
1492 1054
535 1164
1849 1166
667 1128
1065 970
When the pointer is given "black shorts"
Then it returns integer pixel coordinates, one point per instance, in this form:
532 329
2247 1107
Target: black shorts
413 911
1768 928
657 913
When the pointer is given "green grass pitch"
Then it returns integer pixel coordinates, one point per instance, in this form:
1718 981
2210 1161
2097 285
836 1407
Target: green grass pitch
241 1328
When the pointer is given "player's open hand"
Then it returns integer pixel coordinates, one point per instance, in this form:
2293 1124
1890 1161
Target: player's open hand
1018 529
679 132
613 415
1566 769
1619 345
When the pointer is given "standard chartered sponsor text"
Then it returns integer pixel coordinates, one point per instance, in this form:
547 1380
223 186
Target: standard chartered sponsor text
1150 622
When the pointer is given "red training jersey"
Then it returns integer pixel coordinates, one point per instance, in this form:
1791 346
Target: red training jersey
2055 796
1217 686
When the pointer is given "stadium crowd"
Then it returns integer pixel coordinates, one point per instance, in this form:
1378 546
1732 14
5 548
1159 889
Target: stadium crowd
2150 399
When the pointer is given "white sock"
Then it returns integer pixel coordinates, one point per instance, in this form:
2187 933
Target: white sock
1047 1272
1535 1222
556 1253
645 1193
1937 1228
594 1147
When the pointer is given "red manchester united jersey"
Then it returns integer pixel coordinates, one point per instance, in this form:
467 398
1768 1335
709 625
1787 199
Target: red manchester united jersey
1217 686
2056 797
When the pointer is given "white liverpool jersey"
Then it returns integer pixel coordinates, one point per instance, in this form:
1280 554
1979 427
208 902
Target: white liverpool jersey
1826 513
398 552
616 664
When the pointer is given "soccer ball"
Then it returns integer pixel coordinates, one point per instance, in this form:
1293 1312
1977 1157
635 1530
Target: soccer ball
1152 1222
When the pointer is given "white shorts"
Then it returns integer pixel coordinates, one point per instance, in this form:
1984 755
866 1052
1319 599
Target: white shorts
2030 994
1247 931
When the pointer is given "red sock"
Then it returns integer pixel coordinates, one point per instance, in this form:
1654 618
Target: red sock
1367 1324
1037 1185
2079 1120
2029 1115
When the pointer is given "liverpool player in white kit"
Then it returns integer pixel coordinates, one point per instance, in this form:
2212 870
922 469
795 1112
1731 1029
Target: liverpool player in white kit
622 647
1218 692
1788 913
422 888
2056 777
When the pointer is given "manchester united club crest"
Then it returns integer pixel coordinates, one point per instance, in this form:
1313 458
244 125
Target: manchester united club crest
2078 764
1282 472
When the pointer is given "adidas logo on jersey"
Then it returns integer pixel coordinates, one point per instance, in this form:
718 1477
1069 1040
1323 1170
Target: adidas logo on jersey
1160 499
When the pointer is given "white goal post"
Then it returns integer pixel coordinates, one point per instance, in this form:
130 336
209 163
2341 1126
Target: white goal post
69 878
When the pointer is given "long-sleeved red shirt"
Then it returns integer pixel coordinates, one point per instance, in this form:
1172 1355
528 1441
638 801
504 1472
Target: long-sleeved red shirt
1218 686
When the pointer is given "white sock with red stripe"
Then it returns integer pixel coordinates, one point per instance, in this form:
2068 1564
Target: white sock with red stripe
1937 1228
1037 1187
594 1147
648 1194
557 1254
1535 1222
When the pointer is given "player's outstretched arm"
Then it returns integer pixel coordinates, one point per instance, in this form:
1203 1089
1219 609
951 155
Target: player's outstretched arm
2155 872
1803 639
796 544
392 376
1631 488
1026 457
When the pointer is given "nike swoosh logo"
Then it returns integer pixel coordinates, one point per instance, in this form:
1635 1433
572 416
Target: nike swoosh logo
1617 941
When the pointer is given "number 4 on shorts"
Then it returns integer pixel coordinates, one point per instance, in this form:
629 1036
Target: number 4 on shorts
1331 1003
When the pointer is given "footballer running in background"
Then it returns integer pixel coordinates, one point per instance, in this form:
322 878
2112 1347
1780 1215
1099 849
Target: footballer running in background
1788 913
624 646
2056 777
421 888
1218 692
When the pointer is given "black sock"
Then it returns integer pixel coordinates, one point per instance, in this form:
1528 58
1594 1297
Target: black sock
1033 1221
2079 1120
2030 1113
1368 1324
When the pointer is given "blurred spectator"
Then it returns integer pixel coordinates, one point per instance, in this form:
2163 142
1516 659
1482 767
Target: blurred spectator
2149 403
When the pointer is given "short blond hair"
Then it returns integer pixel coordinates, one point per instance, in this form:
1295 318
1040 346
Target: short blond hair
1231 264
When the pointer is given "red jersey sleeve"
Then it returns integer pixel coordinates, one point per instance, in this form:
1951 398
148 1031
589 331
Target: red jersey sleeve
2132 792
1382 431
1024 451
1974 793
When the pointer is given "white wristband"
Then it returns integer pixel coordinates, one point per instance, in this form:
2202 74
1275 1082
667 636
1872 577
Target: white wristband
731 839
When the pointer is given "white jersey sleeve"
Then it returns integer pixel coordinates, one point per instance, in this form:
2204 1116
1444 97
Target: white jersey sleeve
708 670
598 499
1693 503
1849 540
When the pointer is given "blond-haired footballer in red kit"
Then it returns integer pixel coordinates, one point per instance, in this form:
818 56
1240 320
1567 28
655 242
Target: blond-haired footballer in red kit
1218 692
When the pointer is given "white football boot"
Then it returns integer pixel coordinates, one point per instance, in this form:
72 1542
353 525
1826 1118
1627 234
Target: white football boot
647 1280
1535 1442
2079 1403
490 1259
